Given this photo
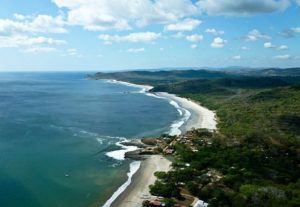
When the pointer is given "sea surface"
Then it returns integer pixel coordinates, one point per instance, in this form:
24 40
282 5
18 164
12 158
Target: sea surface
60 134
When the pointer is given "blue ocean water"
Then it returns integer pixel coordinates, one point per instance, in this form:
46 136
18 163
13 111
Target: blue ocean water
56 130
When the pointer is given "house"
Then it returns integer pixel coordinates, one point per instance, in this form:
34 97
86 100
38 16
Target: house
152 203
169 151
155 203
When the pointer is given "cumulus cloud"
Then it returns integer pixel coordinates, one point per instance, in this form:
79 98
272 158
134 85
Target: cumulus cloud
194 38
245 48
136 50
178 35
39 24
242 7
40 50
282 47
21 17
289 33
269 45
218 43
120 14
238 57
214 31
194 46
148 37
255 35
16 41
282 57
185 25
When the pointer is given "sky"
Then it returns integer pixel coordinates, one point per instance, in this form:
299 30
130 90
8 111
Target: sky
100 35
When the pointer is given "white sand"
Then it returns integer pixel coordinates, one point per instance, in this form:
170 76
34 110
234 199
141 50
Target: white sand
132 84
132 196
202 117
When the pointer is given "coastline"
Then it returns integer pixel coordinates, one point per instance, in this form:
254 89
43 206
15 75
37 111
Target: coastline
138 188
201 116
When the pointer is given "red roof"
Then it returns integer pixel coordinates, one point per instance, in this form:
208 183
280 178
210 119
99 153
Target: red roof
156 203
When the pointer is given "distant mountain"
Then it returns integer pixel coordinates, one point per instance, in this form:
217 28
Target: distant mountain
270 72
160 77
290 75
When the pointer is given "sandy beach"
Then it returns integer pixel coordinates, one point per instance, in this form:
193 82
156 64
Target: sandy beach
132 196
138 190
201 116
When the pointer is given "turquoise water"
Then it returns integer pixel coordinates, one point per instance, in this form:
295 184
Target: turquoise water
55 131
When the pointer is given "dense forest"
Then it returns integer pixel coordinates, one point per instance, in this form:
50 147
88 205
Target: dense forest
255 151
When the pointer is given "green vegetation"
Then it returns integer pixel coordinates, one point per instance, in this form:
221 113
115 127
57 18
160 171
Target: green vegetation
233 175
160 77
253 159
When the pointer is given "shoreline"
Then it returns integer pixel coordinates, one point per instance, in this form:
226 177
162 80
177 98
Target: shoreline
201 116
138 188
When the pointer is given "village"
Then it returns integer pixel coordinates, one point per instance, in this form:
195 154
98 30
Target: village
171 148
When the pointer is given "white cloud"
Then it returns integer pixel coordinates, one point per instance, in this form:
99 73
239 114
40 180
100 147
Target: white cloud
194 46
39 24
289 33
282 47
16 41
255 35
269 45
238 57
245 48
72 52
178 35
107 43
40 50
194 38
214 31
100 15
242 7
147 37
218 43
282 57
21 17
185 25
136 50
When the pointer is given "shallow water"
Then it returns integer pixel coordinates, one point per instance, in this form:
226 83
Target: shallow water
56 130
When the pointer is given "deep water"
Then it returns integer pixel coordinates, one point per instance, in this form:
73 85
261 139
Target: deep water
55 131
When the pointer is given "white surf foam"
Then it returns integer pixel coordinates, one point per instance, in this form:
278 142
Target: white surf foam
144 88
184 113
134 166
120 154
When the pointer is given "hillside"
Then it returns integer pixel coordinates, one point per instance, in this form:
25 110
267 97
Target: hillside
253 158
160 77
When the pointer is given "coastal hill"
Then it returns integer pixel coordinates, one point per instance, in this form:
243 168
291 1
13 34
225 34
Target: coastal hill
154 78
159 77
253 157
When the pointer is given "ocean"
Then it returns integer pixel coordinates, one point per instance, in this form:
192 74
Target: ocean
60 135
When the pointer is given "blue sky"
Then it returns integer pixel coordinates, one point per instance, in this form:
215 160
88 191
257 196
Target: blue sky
86 35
